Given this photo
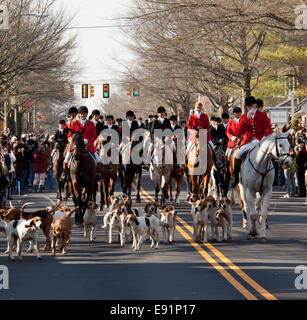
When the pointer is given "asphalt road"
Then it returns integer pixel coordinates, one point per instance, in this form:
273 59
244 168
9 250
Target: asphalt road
238 269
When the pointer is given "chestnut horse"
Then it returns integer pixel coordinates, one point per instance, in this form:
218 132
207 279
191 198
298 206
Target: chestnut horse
195 180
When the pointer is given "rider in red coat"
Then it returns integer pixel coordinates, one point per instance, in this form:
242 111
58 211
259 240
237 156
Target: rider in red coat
89 135
232 130
198 120
253 126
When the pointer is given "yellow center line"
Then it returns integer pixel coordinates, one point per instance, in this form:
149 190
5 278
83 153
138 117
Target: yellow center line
247 294
267 295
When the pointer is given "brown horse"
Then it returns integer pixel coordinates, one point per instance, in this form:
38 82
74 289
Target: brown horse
109 176
193 164
82 176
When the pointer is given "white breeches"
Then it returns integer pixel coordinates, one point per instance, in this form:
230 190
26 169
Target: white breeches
97 159
68 157
246 148
228 153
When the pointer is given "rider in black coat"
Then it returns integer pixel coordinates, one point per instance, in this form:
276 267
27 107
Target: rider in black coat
161 123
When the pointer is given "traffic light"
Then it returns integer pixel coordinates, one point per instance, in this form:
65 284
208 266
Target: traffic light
84 91
129 91
136 92
106 91
92 91
71 90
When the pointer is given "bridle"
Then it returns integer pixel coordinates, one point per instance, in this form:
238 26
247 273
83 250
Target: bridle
278 157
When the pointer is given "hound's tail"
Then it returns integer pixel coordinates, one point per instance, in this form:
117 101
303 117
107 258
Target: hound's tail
71 212
23 207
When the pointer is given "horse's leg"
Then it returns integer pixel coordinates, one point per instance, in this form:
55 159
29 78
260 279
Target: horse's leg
58 194
226 183
107 193
178 189
249 207
264 213
139 175
170 190
101 195
244 217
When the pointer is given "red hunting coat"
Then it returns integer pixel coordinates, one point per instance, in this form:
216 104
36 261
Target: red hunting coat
201 123
232 131
259 126
89 133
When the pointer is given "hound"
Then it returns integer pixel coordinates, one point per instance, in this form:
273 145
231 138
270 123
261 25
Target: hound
168 221
21 231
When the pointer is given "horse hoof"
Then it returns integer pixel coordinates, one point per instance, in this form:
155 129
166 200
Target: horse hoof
263 239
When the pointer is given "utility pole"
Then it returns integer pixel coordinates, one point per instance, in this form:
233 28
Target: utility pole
5 114
292 104
34 118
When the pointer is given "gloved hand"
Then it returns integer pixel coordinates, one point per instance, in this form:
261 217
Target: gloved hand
85 141
234 139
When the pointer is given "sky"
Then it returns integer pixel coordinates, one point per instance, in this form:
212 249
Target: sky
99 51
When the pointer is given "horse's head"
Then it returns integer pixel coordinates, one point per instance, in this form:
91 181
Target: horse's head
77 143
281 150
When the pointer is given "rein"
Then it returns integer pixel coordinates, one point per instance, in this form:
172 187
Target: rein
263 175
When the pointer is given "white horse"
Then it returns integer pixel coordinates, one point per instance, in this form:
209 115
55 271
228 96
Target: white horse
161 167
257 176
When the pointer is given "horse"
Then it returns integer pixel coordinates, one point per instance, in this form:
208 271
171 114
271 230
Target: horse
57 167
257 177
82 176
128 171
160 169
195 180
108 173
220 175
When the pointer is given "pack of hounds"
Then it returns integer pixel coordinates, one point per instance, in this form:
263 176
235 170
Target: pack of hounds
131 224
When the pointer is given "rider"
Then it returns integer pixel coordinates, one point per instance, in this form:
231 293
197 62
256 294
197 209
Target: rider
72 116
232 130
253 126
61 135
160 123
89 136
199 120
98 124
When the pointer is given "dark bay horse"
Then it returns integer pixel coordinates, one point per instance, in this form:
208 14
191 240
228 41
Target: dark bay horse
108 173
129 171
82 176
57 167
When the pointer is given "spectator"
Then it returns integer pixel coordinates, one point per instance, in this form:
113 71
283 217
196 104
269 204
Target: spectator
40 167
19 168
290 177
301 161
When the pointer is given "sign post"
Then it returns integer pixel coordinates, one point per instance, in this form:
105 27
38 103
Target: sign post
279 116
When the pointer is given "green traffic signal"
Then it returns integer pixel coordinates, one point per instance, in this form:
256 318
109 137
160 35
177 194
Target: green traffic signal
136 93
